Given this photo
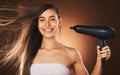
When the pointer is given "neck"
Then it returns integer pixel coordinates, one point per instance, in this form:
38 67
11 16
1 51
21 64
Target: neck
49 43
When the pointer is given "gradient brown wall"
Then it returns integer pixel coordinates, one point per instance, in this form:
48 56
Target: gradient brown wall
86 12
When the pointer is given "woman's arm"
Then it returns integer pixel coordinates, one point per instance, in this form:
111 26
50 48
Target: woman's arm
78 66
80 69
105 53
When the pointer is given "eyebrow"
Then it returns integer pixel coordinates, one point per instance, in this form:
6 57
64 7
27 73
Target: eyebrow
52 16
41 17
49 17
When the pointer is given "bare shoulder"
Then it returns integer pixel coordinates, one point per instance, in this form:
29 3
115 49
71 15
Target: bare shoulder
77 62
71 50
74 54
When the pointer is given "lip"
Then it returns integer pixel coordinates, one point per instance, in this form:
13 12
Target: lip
48 29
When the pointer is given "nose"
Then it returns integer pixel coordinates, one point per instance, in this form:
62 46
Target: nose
47 23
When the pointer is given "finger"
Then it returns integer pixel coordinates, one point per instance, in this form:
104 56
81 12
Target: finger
105 51
108 57
106 47
98 47
98 53
105 55
98 50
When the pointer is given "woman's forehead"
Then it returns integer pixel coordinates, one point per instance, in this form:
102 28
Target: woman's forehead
48 13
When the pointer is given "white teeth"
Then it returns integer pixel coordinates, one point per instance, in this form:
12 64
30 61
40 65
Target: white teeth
48 30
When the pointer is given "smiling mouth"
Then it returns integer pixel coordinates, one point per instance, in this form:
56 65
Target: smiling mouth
48 29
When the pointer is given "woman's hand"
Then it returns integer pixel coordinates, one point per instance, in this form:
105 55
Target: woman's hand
104 53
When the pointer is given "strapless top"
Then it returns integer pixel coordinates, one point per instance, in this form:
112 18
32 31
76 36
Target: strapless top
49 69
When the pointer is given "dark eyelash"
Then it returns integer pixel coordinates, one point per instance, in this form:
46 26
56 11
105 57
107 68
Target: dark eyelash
42 20
52 19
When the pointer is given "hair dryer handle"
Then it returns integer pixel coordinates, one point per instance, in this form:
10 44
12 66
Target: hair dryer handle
102 44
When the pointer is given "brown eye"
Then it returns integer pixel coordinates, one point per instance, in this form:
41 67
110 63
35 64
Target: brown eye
41 20
52 19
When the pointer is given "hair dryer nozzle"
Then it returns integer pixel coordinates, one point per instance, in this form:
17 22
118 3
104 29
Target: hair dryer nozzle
71 27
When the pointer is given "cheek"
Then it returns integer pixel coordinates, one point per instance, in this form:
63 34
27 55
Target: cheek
39 28
55 23
41 24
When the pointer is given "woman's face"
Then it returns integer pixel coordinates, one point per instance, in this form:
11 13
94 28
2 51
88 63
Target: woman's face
48 23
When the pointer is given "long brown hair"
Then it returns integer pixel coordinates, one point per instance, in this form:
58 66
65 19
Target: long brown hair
29 41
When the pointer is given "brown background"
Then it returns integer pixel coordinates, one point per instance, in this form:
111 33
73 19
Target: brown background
86 12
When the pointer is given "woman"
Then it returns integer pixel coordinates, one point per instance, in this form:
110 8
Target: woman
39 53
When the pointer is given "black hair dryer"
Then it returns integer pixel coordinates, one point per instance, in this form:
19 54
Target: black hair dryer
102 33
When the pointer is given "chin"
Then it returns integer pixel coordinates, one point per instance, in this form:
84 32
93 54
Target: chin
49 36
